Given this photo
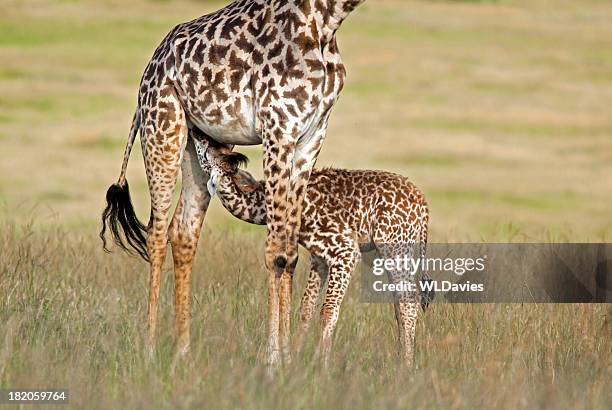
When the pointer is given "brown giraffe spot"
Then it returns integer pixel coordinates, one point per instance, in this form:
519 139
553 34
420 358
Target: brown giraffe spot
216 53
230 26
235 79
292 111
236 63
298 95
276 50
243 44
267 37
200 52
305 43
280 115
257 57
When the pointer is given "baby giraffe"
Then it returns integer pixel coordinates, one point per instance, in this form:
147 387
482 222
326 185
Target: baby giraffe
345 212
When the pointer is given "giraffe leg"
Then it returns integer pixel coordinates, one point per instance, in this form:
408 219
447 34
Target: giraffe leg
426 296
305 156
286 178
184 233
407 310
316 281
285 290
341 266
277 158
273 321
406 304
163 141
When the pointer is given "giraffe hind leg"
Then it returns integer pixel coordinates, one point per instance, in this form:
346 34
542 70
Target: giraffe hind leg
163 142
184 233
316 280
341 266
405 302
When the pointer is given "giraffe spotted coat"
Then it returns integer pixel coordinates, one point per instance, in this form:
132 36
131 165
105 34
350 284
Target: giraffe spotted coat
345 211
254 72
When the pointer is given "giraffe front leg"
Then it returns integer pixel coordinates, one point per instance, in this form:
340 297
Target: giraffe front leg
184 234
278 154
285 290
316 281
306 152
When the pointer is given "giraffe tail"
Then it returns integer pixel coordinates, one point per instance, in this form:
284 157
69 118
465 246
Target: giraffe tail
128 148
127 231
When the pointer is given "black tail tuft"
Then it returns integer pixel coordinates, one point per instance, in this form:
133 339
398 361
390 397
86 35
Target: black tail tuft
119 216
427 295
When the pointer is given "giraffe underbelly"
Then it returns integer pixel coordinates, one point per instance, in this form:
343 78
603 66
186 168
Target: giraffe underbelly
219 109
236 129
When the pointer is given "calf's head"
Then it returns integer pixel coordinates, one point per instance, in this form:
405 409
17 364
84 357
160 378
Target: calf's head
223 166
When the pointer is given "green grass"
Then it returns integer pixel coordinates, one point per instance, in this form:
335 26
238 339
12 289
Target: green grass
78 322
442 160
102 142
497 127
543 201
55 196
503 91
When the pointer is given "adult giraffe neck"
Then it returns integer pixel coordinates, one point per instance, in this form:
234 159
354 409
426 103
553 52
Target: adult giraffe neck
329 14
334 12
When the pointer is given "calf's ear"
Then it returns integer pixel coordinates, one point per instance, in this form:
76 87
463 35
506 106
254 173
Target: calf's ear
234 160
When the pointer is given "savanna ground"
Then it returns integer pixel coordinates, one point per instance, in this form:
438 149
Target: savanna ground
499 111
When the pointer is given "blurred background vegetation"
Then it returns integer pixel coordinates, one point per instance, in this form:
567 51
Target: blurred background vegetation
498 110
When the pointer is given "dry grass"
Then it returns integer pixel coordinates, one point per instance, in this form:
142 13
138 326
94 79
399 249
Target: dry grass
77 322
498 110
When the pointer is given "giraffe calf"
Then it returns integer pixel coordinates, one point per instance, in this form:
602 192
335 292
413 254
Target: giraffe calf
344 212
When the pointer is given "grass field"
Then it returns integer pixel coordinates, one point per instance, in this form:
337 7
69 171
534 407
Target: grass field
498 110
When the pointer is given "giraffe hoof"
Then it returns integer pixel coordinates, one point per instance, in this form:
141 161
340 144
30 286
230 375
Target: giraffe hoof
273 363
280 262
183 351
150 349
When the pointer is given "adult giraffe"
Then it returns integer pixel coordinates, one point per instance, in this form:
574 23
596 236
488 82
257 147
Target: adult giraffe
255 72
